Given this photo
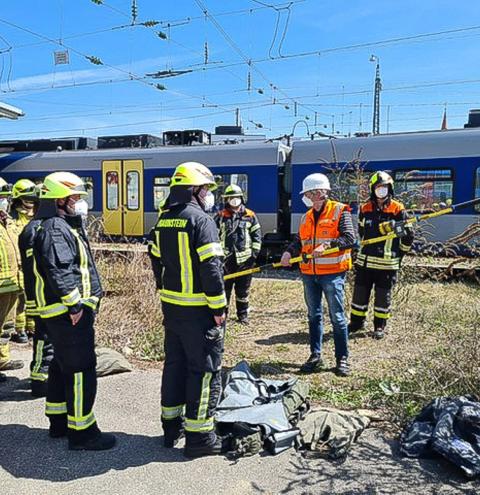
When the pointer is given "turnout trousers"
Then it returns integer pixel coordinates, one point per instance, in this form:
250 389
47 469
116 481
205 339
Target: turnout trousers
72 379
7 302
191 381
42 353
366 279
242 288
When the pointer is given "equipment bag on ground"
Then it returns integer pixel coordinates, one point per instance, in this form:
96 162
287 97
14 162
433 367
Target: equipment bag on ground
258 413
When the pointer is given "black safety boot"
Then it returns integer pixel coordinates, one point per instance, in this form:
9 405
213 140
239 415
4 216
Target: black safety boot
355 328
342 368
13 364
58 426
219 446
243 320
39 389
173 431
19 338
313 363
379 333
103 441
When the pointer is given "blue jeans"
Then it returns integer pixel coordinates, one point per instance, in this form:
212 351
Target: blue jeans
334 288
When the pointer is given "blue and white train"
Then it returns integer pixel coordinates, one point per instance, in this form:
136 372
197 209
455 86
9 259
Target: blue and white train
129 184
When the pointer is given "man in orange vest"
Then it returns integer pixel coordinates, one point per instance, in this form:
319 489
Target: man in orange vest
326 224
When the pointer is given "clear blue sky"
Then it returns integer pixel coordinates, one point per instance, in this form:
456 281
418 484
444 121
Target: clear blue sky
419 75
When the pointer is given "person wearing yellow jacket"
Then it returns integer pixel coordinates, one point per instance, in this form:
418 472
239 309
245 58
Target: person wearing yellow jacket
21 211
10 284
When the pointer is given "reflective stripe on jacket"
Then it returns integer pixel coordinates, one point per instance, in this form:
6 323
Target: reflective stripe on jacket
240 233
326 230
384 255
66 277
10 275
187 260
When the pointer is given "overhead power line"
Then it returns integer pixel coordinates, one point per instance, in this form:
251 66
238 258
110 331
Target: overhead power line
372 44
148 122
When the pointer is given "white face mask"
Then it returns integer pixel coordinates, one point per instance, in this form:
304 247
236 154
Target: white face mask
81 208
307 202
4 204
235 202
208 201
381 192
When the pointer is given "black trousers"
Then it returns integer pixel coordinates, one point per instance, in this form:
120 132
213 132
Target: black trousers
191 381
42 353
366 279
72 379
241 285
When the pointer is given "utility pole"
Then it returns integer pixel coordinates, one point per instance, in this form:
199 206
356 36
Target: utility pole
237 117
376 96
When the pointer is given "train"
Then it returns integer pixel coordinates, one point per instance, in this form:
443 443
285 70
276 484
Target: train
127 185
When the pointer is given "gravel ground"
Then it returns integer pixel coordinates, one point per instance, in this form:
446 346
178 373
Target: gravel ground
128 404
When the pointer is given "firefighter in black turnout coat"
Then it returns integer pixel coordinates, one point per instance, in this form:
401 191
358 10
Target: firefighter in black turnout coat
42 347
68 292
377 264
241 239
187 263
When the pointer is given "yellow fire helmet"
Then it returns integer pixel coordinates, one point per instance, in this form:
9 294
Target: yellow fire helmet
193 174
5 188
24 188
233 191
61 185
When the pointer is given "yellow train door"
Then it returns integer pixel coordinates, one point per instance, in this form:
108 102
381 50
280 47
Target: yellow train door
123 197
133 197
112 197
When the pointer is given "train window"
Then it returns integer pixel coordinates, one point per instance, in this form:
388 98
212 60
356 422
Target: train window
225 180
133 190
350 187
112 190
424 189
160 190
477 187
88 181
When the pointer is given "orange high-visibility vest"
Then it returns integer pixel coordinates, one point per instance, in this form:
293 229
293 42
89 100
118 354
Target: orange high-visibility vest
326 230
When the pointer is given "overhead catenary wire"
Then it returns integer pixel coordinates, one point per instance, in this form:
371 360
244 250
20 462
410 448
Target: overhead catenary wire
129 124
131 75
356 46
247 60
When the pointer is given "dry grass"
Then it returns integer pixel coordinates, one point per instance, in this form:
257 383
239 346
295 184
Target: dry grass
432 347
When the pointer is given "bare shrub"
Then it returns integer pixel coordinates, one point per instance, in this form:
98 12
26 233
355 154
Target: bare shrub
130 318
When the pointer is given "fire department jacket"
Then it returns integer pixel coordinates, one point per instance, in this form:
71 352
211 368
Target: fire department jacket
65 272
384 255
240 234
187 261
10 278
25 244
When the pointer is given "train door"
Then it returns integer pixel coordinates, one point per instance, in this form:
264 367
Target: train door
123 210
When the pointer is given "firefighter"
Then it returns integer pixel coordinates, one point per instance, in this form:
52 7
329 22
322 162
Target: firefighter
68 292
42 347
241 240
10 284
187 262
377 265
327 224
21 211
